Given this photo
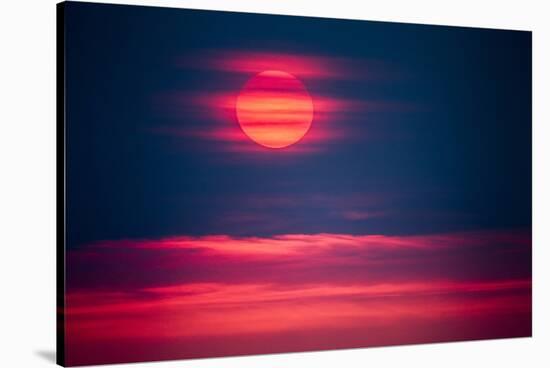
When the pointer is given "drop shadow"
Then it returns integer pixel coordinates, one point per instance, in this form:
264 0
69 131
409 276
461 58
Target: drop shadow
48 355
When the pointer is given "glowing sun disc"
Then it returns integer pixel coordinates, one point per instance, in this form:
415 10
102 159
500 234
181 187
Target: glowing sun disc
274 109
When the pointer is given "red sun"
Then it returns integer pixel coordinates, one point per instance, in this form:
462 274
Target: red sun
274 109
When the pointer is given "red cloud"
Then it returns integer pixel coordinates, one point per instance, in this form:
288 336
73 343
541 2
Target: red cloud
191 296
207 115
296 258
222 132
275 308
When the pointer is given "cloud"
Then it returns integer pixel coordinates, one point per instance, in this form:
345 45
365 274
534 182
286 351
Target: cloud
205 114
298 258
220 309
183 296
355 215
307 66
209 118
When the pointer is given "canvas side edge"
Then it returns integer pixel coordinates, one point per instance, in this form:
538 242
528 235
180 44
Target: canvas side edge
60 184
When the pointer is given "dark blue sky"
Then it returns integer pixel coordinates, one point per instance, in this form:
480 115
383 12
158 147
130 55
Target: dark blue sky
452 154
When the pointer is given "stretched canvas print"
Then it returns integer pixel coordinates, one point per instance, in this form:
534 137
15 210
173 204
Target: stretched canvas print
234 183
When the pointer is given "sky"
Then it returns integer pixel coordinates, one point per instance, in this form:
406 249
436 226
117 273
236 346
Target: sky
402 216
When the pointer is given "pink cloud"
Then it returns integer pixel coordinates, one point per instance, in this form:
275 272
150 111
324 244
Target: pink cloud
221 311
197 296
332 304
335 118
297 259
224 133
304 243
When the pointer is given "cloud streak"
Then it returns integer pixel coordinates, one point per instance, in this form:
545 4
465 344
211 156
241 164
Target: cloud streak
180 292
298 258
300 65
209 110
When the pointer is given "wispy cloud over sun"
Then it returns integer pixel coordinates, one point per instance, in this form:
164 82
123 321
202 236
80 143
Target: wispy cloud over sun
213 107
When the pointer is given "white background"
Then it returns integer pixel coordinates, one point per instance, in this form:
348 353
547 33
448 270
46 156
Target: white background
27 182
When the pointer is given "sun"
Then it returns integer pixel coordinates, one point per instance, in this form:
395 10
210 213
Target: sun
274 109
